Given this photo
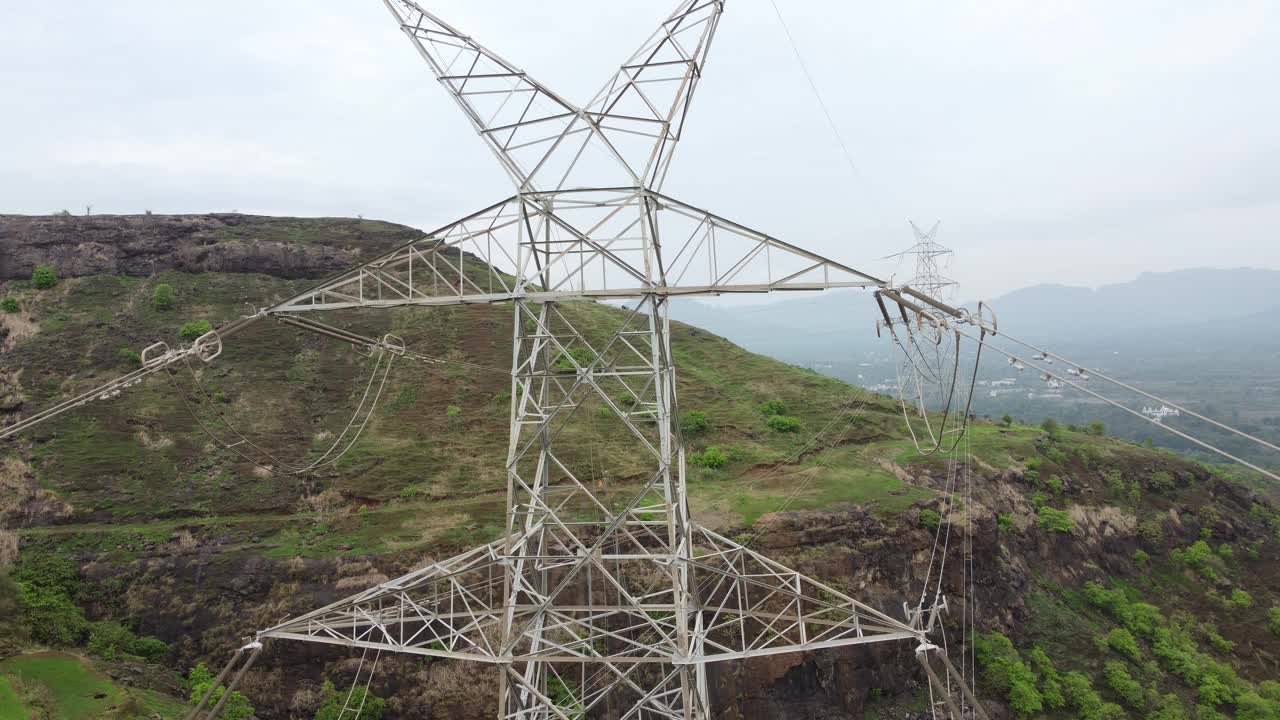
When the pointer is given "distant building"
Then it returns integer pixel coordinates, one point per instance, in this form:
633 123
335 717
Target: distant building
1161 412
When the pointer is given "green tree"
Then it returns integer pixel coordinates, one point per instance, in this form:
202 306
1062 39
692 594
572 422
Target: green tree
359 705
44 277
1007 420
194 329
199 680
162 297
1052 427
1096 428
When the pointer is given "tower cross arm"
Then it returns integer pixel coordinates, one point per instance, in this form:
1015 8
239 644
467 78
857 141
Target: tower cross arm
579 245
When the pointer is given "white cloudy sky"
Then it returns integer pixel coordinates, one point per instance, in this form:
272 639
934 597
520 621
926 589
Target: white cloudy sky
1075 142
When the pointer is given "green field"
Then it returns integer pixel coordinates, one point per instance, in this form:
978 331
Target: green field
70 688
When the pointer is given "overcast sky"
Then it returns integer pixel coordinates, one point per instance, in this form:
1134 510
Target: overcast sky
1071 142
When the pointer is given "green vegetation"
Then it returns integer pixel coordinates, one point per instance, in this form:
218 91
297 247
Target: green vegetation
44 277
930 519
194 329
1240 600
360 704
1123 642
51 685
711 458
1004 669
769 408
693 422
198 683
579 356
162 297
563 697
9 305
783 423
1123 684
1273 621
111 640
1004 523
1053 520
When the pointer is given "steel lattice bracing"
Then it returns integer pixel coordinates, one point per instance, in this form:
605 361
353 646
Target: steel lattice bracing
579 244
594 599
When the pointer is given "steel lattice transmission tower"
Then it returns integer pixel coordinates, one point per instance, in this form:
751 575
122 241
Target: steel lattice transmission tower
930 259
588 605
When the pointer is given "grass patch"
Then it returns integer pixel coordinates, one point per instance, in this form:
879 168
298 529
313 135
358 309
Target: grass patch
79 692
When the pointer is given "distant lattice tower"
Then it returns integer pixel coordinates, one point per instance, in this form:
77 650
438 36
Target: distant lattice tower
930 260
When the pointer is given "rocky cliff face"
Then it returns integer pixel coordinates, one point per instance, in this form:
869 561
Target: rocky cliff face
142 245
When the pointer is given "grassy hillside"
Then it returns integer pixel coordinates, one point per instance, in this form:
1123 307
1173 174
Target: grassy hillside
129 514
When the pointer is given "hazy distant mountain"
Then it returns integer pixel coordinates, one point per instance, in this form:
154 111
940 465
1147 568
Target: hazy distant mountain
1196 310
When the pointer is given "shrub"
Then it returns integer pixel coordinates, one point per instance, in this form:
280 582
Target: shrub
1050 680
709 458
1050 426
129 355
43 277
1162 481
1038 500
1212 691
1170 709
783 423
198 682
108 640
358 704
194 329
1006 671
1225 551
930 519
1123 684
1123 642
769 408
1057 456
1199 557
1141 558
162 297
1151 530
1004 522
1081 696
1096 428
1273 621
625 400
694 422
1240 600
1007 420
1055 484
1215 639
579 355
46 587
1054 520
9 305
